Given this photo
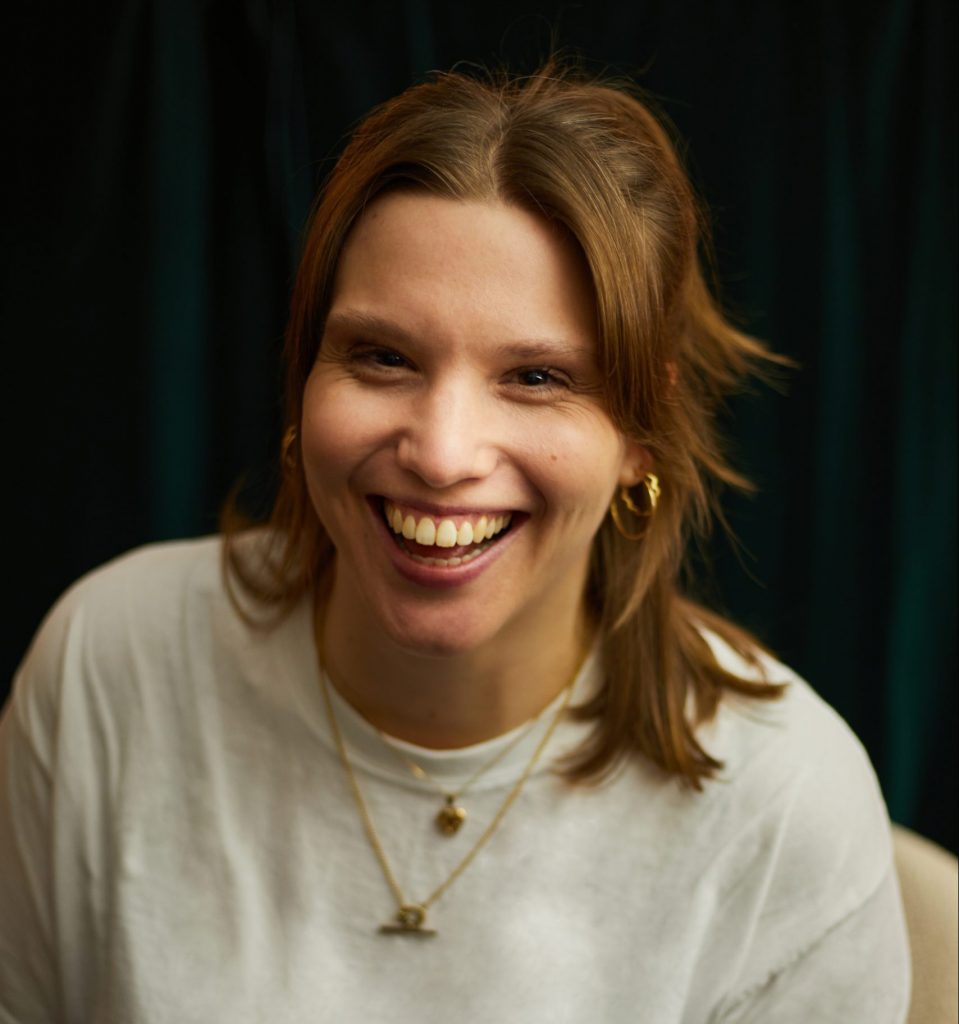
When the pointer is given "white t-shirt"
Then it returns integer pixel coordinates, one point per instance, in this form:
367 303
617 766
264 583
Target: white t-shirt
179 843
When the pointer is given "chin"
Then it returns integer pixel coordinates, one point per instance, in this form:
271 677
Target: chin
439 636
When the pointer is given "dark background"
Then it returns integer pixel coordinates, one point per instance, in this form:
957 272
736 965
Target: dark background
161 158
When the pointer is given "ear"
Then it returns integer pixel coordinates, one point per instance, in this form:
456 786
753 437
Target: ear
636 464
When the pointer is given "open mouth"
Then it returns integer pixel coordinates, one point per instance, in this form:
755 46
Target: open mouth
443 541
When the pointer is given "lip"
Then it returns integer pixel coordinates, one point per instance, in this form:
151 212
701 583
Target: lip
433 576
442 511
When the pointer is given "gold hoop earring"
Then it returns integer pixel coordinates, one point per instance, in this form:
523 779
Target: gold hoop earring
651 482
288 454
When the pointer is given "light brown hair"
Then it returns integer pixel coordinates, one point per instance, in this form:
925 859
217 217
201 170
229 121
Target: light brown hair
590 156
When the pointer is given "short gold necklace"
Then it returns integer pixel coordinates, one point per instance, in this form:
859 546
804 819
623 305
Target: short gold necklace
410 918
451 816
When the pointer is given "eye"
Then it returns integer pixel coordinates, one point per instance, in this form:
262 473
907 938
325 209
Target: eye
376 360
382 357
539 378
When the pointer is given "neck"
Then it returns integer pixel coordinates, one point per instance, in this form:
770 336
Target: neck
450 701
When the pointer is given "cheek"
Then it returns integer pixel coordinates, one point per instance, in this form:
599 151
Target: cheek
336 440
336 429
327 443
578 468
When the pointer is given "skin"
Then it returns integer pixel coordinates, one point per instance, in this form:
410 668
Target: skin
457 372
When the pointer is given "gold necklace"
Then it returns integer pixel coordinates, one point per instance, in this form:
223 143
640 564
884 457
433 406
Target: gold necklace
410 918
451 816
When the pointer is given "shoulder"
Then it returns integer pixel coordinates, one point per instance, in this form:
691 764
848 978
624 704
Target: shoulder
145 577
796 742
146 646
144 591
796 754
801 810
125 618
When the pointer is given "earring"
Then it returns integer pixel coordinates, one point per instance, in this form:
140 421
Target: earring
288 450
651 483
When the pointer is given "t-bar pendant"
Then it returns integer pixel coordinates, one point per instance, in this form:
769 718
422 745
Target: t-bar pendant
410 920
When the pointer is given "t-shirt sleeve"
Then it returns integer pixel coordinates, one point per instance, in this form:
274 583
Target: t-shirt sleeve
817 916
856 973
84 701
29 987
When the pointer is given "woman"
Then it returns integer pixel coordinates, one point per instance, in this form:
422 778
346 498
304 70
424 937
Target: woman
445 740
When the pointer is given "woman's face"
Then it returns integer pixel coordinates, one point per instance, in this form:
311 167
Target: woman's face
456 395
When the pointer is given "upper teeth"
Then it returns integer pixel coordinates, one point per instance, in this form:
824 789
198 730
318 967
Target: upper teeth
444 533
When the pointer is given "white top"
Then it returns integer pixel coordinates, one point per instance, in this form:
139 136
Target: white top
178 843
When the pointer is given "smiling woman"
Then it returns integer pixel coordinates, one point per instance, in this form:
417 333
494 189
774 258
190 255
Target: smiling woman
454 689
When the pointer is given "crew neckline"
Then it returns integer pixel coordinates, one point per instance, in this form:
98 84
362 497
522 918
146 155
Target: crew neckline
382 756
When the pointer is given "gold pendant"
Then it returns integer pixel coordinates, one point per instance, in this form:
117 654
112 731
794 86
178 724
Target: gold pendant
410 920
450 818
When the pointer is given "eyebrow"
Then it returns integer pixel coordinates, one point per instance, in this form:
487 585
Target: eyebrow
381 328
367 323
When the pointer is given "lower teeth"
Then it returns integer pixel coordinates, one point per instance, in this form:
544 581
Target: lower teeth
447 561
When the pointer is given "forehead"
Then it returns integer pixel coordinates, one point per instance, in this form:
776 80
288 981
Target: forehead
464 269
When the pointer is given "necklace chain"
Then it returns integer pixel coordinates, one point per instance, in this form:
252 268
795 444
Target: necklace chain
452 816
410 918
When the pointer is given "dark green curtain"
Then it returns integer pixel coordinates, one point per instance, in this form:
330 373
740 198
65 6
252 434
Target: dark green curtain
163 159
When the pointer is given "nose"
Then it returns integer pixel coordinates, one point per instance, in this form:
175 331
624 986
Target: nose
448 436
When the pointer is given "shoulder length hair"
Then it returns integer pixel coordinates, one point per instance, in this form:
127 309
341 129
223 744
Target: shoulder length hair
590 156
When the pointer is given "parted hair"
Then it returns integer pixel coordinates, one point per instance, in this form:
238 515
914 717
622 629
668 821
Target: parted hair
591 156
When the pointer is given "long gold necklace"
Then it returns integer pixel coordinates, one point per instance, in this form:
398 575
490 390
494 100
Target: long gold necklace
410 918
451 816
